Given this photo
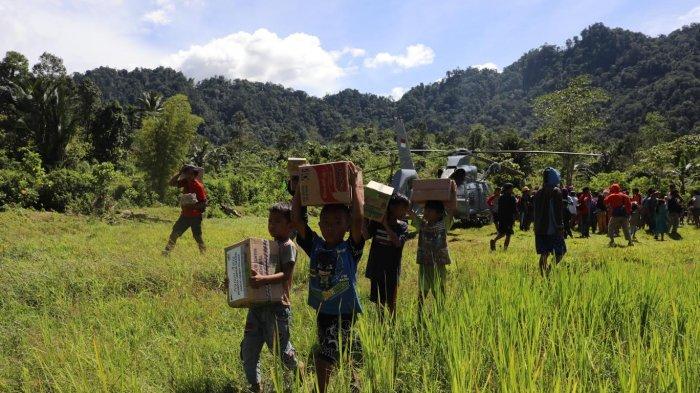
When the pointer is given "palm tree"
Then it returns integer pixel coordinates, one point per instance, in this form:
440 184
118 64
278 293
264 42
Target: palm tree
47 109
150 103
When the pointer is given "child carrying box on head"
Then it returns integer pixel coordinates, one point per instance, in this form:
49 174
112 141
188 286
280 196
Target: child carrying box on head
333 267
384 262
269 323
433 255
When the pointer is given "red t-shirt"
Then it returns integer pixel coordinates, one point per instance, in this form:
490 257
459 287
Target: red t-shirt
193 187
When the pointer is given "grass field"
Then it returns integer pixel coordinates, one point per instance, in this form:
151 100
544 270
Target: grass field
88 306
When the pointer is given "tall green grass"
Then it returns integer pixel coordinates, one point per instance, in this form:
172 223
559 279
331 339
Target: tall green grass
91 307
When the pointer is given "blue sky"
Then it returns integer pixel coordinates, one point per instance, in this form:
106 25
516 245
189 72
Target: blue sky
382 47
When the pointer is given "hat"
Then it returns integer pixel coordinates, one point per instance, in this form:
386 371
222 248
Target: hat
526 188
190 167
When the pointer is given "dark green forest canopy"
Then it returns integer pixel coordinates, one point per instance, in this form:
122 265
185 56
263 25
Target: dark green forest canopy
640 73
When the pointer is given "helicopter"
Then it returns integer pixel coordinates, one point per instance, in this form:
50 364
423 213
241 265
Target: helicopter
472 187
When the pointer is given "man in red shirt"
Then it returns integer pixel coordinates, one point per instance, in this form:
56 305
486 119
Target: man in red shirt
620 208
189 180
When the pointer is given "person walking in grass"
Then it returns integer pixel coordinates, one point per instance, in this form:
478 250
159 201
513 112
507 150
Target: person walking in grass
675 210
433 255
492 202
549 221
660 218
384 262
507 212
193 203
333 291
649 209
694 205
525 209
584 212
567 205
601 213
269 324
620 208
635 220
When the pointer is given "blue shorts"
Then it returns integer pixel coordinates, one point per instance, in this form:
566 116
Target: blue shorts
547 244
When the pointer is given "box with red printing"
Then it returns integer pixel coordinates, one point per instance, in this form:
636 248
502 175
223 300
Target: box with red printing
431 190
325 184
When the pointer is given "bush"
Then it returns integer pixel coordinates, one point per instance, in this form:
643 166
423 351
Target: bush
66 186
20 181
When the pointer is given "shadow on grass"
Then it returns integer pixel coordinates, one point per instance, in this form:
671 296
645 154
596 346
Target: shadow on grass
675 236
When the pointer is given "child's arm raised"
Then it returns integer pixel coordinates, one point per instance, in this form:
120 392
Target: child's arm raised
358 204
297 217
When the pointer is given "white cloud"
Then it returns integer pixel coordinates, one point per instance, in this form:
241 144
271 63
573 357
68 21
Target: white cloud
353 52
397 93
665 24
297 60
691 16
85 33
416 55
157 17
486 66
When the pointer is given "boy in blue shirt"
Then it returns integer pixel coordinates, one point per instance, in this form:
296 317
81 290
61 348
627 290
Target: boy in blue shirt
333 263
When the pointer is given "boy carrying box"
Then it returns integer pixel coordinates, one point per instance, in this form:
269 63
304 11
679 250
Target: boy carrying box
269 323
433 255
332 281
384 262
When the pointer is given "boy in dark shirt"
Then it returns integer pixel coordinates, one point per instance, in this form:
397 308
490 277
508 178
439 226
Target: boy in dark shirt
333 263
269 323
384 262
507 210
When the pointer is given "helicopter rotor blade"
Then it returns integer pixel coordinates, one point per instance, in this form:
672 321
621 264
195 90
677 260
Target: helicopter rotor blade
566 153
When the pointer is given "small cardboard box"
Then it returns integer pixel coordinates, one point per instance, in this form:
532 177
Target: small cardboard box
377 196
251 254
325 184
431 190
293 164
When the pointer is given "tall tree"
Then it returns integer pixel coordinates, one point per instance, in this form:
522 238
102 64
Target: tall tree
109 133
567 117
164 139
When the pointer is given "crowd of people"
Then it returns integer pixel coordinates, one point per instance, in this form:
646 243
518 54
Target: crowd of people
552 211
606 212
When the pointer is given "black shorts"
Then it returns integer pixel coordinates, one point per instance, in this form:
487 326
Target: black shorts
334 331
383 287
505 227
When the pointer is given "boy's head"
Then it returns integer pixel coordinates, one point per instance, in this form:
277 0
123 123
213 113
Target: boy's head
635 190
279 220
434 211
586 190
334 223
508 188
398 206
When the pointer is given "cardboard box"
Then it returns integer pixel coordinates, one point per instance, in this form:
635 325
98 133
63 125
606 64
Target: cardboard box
242 258
377 196
431 190
293 164
325 184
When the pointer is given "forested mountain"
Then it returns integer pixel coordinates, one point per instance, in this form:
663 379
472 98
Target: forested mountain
641 74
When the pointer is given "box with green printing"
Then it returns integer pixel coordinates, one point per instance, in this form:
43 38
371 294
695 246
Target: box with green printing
377 198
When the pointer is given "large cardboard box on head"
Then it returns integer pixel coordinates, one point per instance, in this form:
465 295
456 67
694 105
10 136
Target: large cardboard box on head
325 184
431 190
242 258
377 196
293 164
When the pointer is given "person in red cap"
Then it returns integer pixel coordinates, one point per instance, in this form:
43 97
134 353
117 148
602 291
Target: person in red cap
193 202
620 207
